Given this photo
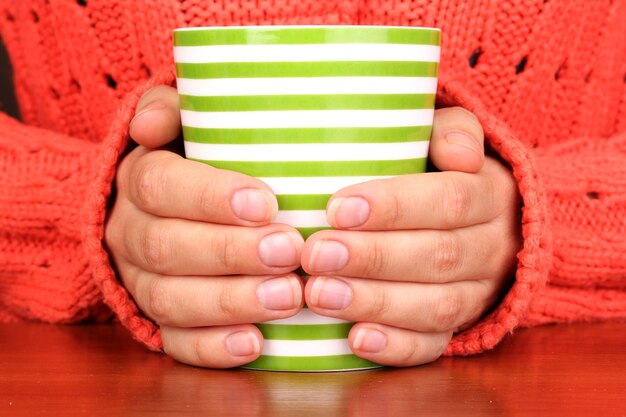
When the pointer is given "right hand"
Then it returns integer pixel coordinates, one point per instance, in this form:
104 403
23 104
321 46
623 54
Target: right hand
195 247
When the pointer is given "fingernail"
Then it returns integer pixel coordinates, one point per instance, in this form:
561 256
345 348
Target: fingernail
348 212
280 293
330 293
463 139
155 105
280 249
254 205
243 344
370 340
328 255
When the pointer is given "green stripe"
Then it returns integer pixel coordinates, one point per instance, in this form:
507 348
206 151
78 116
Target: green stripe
308 135
288 36
322 168
310 363
306 69
308 102
302 201
305 331
306 232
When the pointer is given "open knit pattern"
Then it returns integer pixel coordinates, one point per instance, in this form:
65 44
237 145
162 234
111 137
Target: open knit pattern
546 78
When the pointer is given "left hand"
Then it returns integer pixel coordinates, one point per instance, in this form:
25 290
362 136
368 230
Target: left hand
418 257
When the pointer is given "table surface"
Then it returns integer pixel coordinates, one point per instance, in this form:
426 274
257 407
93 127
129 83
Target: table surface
569 370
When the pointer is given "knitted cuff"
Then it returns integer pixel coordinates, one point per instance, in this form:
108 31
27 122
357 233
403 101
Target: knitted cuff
535 255
95 213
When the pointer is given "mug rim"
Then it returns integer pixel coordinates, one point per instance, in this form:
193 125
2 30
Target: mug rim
278 27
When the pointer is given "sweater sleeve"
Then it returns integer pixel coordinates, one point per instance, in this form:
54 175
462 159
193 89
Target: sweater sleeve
43 272
585 181
95 214
572 265
53 204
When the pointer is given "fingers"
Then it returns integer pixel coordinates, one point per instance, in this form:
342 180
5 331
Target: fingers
164 184
442 200
457 142
214 301
428 308
213 347
392 346
185 247
157 117
427 256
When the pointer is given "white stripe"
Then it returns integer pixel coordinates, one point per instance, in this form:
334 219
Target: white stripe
302 218
308 152
306 316
306 85
307 118
330 347
306 53
313 185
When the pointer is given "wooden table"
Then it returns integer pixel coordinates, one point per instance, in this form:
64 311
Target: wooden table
574 370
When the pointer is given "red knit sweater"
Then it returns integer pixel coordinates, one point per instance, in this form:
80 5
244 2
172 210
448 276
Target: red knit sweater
546 78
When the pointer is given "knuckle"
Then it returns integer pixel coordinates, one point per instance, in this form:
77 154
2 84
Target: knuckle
393 210
448 311
375 261
410 354
147 98
380 306
159 304
227 303
157 94
456 202
127 167
446 256
444 341
149 180
461 119
224 249
111 228
155 246
468 115
507 190
202 352
206 199
501 257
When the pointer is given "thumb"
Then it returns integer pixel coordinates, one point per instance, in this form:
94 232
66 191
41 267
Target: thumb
157 117
457 142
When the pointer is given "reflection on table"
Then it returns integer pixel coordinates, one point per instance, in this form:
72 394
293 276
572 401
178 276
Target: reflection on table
575 370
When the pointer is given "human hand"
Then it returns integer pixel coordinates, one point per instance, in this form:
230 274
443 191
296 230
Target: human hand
418 257
194 246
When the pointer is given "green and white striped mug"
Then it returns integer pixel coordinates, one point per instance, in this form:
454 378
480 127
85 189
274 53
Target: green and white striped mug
308 110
